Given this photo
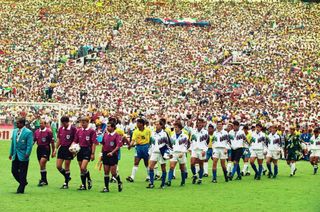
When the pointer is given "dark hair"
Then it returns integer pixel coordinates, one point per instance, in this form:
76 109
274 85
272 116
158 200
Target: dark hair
64 119
210 125
21 121
259 125
163 120
141 121
246 127
178 124
162 123
236 123
112 124
316 130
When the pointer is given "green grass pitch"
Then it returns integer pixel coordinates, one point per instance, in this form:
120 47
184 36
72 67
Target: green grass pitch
298 193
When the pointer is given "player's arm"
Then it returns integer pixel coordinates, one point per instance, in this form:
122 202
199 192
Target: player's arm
52 144
94 143
133 139
11 148
29 144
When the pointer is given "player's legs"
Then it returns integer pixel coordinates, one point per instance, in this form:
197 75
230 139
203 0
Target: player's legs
164 174
106 178
253 165
152 164
268 162
200 162
170 175
224 169
83 172
229 166
275 169
193 161
183 173
43 171
214 169
260 162
134 169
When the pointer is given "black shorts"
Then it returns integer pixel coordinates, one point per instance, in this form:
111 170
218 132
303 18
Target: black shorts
236 154
64 153
109 161
43 152
84 154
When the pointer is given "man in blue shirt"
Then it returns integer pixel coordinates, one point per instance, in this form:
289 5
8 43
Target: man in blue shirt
305 137
20 150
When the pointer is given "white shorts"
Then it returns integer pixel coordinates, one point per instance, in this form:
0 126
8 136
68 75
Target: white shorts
156 156
257 153
315 153
220 153
274 154
176 158
198 154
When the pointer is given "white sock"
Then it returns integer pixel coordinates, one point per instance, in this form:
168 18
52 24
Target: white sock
148 176
205 167
134 171
174 172
197 168
245 167
117 169
229 167
293 167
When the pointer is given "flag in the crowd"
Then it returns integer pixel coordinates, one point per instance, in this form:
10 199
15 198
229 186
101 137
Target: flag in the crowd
179 22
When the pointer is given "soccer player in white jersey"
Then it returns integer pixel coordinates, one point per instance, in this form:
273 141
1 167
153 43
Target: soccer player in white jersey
257 147
274 151
220 146
180 148
237 139
159 146
315 149
199 147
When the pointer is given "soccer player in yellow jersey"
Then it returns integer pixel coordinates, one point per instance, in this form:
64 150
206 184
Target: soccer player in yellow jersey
246 152
141 140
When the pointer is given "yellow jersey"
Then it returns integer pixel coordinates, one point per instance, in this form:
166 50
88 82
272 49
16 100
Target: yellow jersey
210 141
141 137
119 131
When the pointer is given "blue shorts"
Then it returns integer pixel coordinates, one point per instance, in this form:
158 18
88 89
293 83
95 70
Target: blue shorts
209 154
246 153
142 151
229 153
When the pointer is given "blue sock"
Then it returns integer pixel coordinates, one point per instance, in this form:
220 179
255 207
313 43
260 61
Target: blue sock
260 170
254 168
214 174
193 170
200 173
238 171
183 177
170 176
151 173
269 167
163 178
275 170
235 167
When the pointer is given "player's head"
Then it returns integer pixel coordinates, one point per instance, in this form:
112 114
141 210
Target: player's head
111 127
160 125
43 124
316 131
259 127
164 121
292 129
65 121
236 125
140 123
178 127
21 122
246 129
219 125
273 129
200 123
84 122
210 129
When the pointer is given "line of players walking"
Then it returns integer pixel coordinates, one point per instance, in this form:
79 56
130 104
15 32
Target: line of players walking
157 146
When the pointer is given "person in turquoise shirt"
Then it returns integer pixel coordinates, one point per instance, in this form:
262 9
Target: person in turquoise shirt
20 150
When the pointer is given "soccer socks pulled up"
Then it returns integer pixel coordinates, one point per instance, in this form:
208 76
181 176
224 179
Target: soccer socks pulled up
134 171
106 181
293 167
170 176
201 173
62 171
163 178
205 168
88 175
183 177
238 171
67 176
245 167
43 175
214 174
193 170
269 167
83 179
151 173
234 170
254 168
275 170
118 179
260 169
229 167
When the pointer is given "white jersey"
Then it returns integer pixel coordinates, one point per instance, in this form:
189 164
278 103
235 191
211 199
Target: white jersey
274 142
158 140
314 143
220 139
258 141
199 140
237 139
179 143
